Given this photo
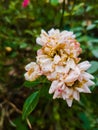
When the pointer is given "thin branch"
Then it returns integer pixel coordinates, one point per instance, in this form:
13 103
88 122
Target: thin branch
15 108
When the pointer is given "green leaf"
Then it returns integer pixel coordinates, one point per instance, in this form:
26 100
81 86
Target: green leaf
30 104
36 47
54 2
78 9
96 80
89 8
94 40
95 52
92 26
23 45
84 38
20 124
40 80
96 21
86 121
94 67
31 84
78 34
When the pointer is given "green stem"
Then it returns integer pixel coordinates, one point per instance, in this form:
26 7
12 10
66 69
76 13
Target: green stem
62 15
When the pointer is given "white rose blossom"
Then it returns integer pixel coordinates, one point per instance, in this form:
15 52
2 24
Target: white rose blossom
58 60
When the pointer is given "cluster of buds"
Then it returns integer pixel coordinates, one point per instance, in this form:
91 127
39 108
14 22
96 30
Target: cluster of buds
58 59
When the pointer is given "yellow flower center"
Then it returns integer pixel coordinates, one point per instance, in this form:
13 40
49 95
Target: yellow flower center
30 71
77 84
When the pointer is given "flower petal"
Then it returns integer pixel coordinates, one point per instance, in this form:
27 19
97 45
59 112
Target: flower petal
73 76
87 75
86 89
90 83
30 65
53 86
69 102
84 65
57 59
76 95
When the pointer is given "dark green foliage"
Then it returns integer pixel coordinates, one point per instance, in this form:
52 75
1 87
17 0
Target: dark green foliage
19 28
30 104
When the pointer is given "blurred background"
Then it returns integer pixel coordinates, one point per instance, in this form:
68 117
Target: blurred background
19 28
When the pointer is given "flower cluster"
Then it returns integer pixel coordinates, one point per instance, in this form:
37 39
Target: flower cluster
58 59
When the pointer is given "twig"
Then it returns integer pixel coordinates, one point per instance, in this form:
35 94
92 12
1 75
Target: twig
2 118
15 108
29 124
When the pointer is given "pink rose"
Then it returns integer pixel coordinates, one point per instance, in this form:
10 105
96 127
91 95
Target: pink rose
25 3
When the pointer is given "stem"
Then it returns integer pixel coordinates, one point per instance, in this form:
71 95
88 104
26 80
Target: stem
62 15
